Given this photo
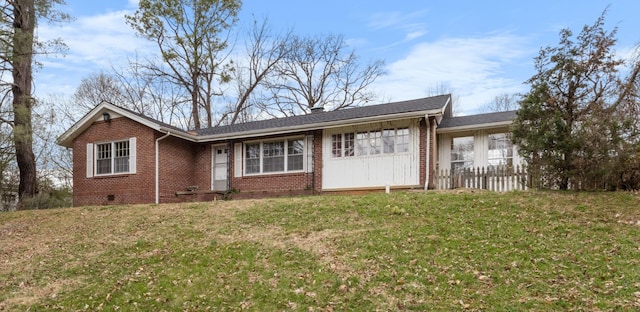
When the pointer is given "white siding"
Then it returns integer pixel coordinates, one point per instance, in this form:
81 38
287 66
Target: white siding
480 148
402 169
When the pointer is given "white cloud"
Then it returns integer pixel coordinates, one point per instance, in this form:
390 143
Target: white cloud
473 68
95 43
405 22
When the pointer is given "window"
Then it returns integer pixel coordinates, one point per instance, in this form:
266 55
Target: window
388 141
113 157
362 143
295 155
253 158
500 150
121 157
349 144
340 141
402 140
336 145
462 153
274 156
375 142
103 158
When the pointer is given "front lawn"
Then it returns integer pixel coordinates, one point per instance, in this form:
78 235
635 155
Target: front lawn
443 251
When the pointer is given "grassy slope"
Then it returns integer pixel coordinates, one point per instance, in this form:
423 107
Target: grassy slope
413 251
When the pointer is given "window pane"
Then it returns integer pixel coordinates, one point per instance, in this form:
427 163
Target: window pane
295 152
375 142
121 159
336 145
273 156
362 143
103 158
388 141
349 143
500 151
252 162
462 149
462 153
402 140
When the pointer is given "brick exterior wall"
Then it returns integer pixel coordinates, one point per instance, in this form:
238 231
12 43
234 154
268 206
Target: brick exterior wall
424 125
125 188
177 168
317 161
284 183
433 150
423 149
184 164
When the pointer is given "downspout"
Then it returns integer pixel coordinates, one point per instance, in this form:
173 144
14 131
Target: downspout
229 147
428 122
158 165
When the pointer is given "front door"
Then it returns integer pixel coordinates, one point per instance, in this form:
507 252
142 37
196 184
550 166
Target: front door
220 170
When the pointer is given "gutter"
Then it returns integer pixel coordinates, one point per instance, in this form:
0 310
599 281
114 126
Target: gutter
497 124
158 165
308 127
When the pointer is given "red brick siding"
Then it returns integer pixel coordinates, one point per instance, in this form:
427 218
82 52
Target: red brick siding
433 153
424 125
182 164
317 160
177 158
423 150
127 189
281 182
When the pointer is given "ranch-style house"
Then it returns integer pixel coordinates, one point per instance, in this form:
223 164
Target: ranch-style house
122 157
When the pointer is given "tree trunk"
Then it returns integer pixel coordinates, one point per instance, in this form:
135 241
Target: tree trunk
195 114
24 24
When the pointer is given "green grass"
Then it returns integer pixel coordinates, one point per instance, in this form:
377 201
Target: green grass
522 251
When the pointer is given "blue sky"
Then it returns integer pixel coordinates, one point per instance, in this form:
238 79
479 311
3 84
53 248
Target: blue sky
476 49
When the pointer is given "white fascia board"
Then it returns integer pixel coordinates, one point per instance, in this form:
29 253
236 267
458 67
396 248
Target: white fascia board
315 126
444 107
492 125
66 139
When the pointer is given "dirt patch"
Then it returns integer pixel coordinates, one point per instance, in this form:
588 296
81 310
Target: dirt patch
320 243
29 294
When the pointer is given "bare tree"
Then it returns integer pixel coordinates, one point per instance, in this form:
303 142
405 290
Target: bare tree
264 50
319 71
191 38
501 103
97 88
444 88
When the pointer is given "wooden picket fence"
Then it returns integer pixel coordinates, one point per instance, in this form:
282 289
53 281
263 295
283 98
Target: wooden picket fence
497 179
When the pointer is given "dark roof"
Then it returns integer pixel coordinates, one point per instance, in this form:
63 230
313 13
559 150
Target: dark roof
417 105
162 124
477 119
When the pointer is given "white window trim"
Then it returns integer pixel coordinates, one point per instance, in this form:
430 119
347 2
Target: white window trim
92 158
286 154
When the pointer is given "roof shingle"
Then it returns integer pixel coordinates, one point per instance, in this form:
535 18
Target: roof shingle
480 119
417 105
